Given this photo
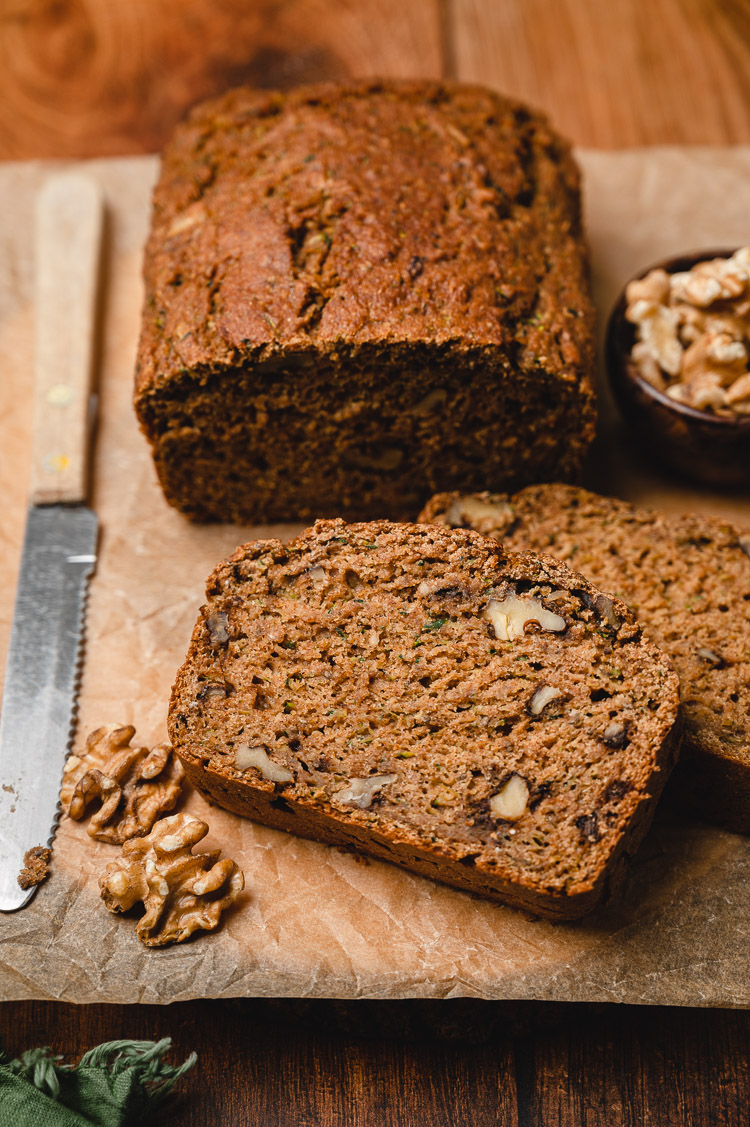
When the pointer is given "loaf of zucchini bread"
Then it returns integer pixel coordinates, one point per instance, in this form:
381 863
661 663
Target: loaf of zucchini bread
687 578
490 720
357 295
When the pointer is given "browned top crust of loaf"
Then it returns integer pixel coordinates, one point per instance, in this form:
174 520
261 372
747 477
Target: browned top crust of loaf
370 212
687 578
415 692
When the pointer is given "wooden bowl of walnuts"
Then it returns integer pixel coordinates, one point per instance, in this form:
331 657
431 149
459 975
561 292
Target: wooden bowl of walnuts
678 358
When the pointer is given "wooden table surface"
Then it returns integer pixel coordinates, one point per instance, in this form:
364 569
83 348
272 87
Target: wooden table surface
85 78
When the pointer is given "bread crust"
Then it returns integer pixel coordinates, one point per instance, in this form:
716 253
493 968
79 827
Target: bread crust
359 294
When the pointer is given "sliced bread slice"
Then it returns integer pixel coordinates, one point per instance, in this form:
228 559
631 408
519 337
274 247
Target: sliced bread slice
493 721
686 578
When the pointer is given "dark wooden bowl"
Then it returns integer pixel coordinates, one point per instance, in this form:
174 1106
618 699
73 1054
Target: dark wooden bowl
705 447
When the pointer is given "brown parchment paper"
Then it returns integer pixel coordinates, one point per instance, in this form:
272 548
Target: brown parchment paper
315 922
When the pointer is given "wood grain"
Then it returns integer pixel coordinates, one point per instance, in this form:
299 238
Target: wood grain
616 73
604 1066
92 77
104 77
69 219
98 78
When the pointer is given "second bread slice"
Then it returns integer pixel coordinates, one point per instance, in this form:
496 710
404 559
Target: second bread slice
687 578
489 720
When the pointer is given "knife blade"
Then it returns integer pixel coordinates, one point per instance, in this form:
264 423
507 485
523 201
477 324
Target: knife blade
37 721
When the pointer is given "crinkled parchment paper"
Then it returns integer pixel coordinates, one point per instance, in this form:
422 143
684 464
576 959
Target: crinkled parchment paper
315 922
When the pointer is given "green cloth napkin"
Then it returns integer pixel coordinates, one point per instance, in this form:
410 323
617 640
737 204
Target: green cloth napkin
114 1085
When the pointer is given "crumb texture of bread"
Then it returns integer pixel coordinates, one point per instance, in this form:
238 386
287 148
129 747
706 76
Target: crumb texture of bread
358 295
36 862
686 578
489 720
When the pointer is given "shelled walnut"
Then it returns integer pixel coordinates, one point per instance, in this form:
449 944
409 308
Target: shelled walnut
182 892
134 785
693 332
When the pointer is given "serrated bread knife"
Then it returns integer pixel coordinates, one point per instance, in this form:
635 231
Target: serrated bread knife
59 548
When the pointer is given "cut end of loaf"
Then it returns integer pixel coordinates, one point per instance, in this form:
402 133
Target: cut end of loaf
357 295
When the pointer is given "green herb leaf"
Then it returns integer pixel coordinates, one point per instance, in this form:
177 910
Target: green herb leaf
435 624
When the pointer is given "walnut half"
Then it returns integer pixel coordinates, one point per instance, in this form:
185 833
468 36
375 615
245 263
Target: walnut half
182 892
135 786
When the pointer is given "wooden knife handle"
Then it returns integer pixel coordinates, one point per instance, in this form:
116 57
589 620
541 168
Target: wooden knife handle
69 215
